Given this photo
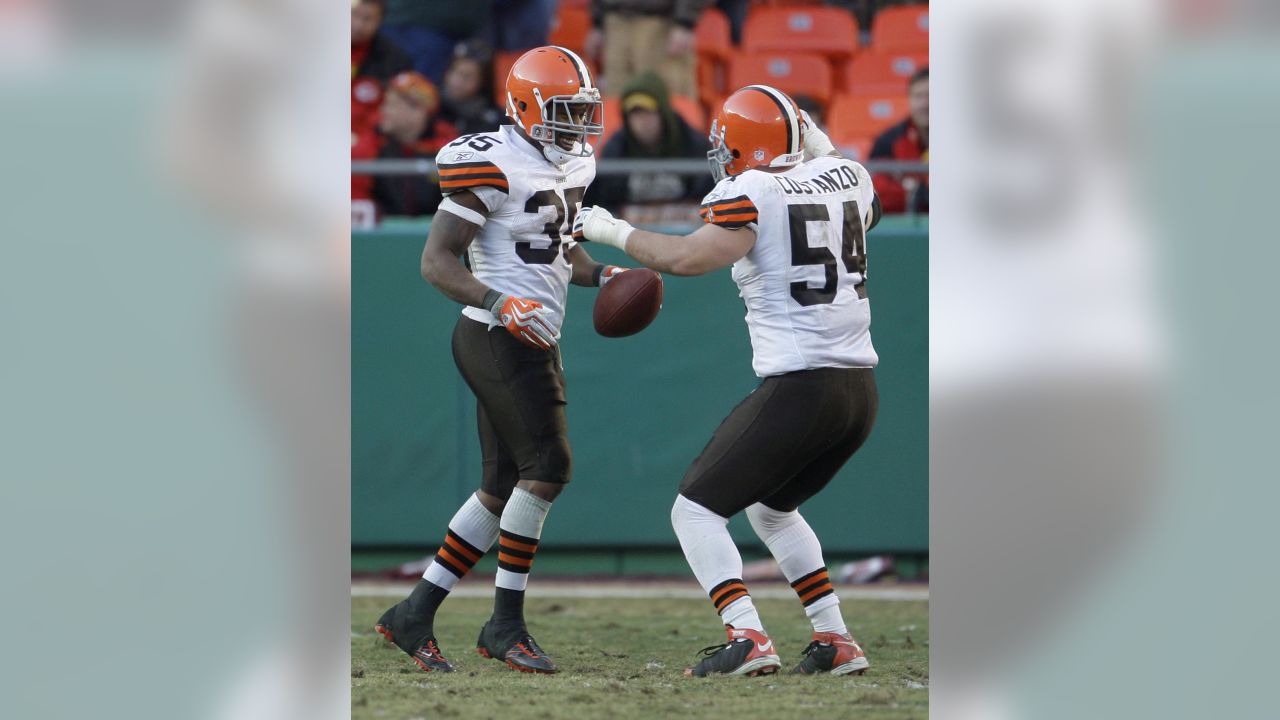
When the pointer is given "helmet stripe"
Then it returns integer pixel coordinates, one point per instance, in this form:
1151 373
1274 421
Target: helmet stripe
788 112
584 75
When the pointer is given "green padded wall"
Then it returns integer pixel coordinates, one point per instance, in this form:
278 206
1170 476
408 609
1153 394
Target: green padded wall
640 408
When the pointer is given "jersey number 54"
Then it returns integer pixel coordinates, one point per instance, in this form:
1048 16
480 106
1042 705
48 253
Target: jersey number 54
853 251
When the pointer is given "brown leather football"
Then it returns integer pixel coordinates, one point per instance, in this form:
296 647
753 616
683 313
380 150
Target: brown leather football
628 303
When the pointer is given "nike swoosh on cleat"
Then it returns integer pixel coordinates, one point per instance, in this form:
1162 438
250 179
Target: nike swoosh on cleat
765 647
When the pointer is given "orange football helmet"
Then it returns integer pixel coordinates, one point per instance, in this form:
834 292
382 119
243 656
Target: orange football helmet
551 96
758 126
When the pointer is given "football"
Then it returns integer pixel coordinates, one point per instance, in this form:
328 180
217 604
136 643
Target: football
628 303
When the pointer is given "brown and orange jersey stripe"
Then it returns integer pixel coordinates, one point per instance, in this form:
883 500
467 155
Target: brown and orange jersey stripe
813 586
730 213
463 176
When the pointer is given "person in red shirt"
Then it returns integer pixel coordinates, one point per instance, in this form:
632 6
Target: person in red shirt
407 127
908 140
375 59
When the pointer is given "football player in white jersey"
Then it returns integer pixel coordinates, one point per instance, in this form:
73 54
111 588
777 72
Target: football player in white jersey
511 198
794 232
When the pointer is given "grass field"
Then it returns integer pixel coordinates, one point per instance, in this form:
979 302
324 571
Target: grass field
623 659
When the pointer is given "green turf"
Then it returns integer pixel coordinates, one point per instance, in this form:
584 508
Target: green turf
623 659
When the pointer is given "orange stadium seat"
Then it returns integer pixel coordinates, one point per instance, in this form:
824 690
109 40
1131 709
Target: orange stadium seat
792 73
856 149
502 62
879 73
826 31
714 47
692 112
712 35
853 118
569 28
901 29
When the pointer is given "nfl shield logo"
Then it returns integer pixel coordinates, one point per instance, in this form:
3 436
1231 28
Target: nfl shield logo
759 155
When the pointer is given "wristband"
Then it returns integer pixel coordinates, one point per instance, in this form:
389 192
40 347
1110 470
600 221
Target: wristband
491 301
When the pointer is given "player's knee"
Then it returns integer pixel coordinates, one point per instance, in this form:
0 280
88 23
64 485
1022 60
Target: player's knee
492 503
766 521
686 513
548 491
556 461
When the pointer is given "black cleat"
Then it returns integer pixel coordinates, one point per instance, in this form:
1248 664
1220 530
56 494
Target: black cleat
834 654
517 649
748 653
426 653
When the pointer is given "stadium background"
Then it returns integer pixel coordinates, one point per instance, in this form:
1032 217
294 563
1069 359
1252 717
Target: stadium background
641 408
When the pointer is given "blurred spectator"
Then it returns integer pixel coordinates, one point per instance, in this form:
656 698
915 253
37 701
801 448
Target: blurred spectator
429 29
407 128
519 24
375 59
651 130
642 35
467 100
908 140
736 12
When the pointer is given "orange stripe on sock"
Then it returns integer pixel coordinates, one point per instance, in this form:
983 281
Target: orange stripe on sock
513 560
734 587
728 599
516 545
815 592
808 584
451 562
454 545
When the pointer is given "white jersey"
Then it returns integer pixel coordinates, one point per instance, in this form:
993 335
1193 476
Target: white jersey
523 247
803 281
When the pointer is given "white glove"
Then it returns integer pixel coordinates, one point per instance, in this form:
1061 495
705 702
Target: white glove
816 142
597 225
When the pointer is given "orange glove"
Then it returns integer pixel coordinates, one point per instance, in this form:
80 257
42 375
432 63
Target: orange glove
526 319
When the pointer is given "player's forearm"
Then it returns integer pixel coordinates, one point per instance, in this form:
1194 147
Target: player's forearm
666 253
586 271
446 274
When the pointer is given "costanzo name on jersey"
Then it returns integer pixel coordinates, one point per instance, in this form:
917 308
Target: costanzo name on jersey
833 180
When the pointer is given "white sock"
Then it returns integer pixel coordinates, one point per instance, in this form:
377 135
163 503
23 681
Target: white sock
741 613
520 528
714 559
471 533
827 618
799 554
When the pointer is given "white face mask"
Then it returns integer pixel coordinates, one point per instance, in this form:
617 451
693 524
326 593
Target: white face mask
719 156
576 116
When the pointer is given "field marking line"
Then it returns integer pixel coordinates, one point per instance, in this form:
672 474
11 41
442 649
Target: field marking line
612 591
